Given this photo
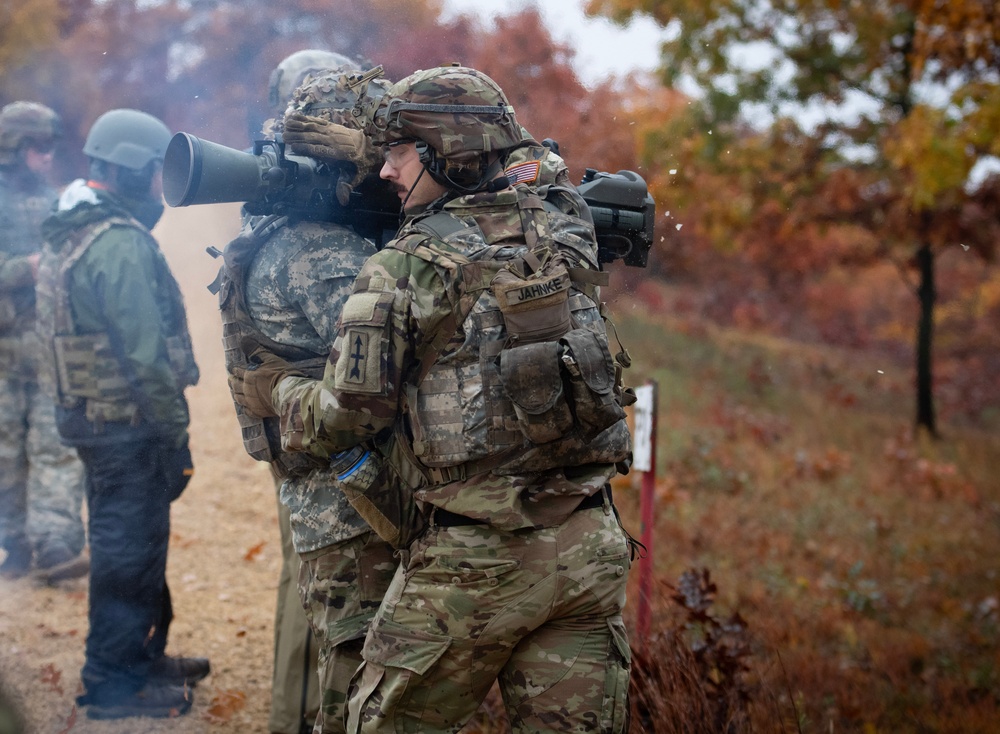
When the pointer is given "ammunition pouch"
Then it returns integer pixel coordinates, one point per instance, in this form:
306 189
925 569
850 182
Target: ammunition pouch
88 372
557 376
87 369
586 359
532 379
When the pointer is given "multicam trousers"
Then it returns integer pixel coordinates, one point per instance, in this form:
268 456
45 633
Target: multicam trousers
342 586
41 480
537 610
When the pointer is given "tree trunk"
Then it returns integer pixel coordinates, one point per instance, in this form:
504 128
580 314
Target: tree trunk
925 334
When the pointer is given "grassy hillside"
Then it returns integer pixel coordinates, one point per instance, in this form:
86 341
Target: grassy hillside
863 561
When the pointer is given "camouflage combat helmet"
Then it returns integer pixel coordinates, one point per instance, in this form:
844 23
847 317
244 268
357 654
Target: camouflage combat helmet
460 113
454 109
127 138
332 95
293 69
26 122
329 94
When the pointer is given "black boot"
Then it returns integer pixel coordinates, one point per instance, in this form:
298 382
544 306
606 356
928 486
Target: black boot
170 671
158 702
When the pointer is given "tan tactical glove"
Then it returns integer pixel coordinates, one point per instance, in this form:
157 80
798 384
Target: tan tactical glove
319 138
252 385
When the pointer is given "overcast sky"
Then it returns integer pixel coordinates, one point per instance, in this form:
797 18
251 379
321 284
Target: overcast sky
602 48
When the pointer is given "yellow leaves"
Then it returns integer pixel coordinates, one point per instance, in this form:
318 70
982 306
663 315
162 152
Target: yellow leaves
931 151
983 121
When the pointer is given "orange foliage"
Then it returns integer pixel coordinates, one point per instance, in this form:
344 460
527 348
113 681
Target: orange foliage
254 551
225 704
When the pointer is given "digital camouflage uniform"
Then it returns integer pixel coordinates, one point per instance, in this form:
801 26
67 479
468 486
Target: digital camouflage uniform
290 278
520 576
41 480
294 693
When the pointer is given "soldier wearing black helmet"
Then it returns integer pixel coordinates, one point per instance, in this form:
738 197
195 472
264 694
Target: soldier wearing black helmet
473 353
112 318
41 480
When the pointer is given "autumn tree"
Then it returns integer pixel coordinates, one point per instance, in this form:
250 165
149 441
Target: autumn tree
24 27
852 125
200 65
591 126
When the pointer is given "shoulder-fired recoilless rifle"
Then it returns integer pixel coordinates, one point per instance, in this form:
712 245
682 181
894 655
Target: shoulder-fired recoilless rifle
270 181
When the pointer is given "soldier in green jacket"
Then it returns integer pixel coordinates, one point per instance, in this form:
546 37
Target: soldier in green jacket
112 317
41 480
473 355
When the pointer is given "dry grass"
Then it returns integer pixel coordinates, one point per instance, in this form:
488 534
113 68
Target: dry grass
862 560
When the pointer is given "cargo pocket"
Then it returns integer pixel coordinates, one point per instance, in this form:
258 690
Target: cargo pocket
587 359
615 709
396 658
532 379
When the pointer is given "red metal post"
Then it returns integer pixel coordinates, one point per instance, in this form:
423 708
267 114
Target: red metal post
647 514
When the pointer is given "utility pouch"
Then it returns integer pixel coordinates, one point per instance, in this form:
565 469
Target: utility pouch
100 412
592 375
532 379
181 358
87 368
370 480
534 309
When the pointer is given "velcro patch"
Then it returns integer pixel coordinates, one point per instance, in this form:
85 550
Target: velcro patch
527 294
359 368
523 172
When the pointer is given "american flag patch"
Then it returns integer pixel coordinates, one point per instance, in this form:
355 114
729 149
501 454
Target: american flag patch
523 172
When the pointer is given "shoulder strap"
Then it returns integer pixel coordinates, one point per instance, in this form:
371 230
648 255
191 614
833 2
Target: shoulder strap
440 225
85 238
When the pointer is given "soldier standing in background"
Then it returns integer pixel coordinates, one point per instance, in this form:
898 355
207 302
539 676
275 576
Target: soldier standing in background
295 698
41 480
473 347
112 318
284 282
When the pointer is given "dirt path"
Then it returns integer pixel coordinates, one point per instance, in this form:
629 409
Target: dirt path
224 551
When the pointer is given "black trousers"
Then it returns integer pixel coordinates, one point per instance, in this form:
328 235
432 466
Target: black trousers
129 528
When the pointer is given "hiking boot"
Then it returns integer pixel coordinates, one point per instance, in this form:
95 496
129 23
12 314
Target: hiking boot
58 564
18 560
170 671
157 702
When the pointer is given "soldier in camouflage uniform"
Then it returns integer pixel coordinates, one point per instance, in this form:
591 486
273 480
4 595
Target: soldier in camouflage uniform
41 480
111 317
473 352
294 693
284 283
